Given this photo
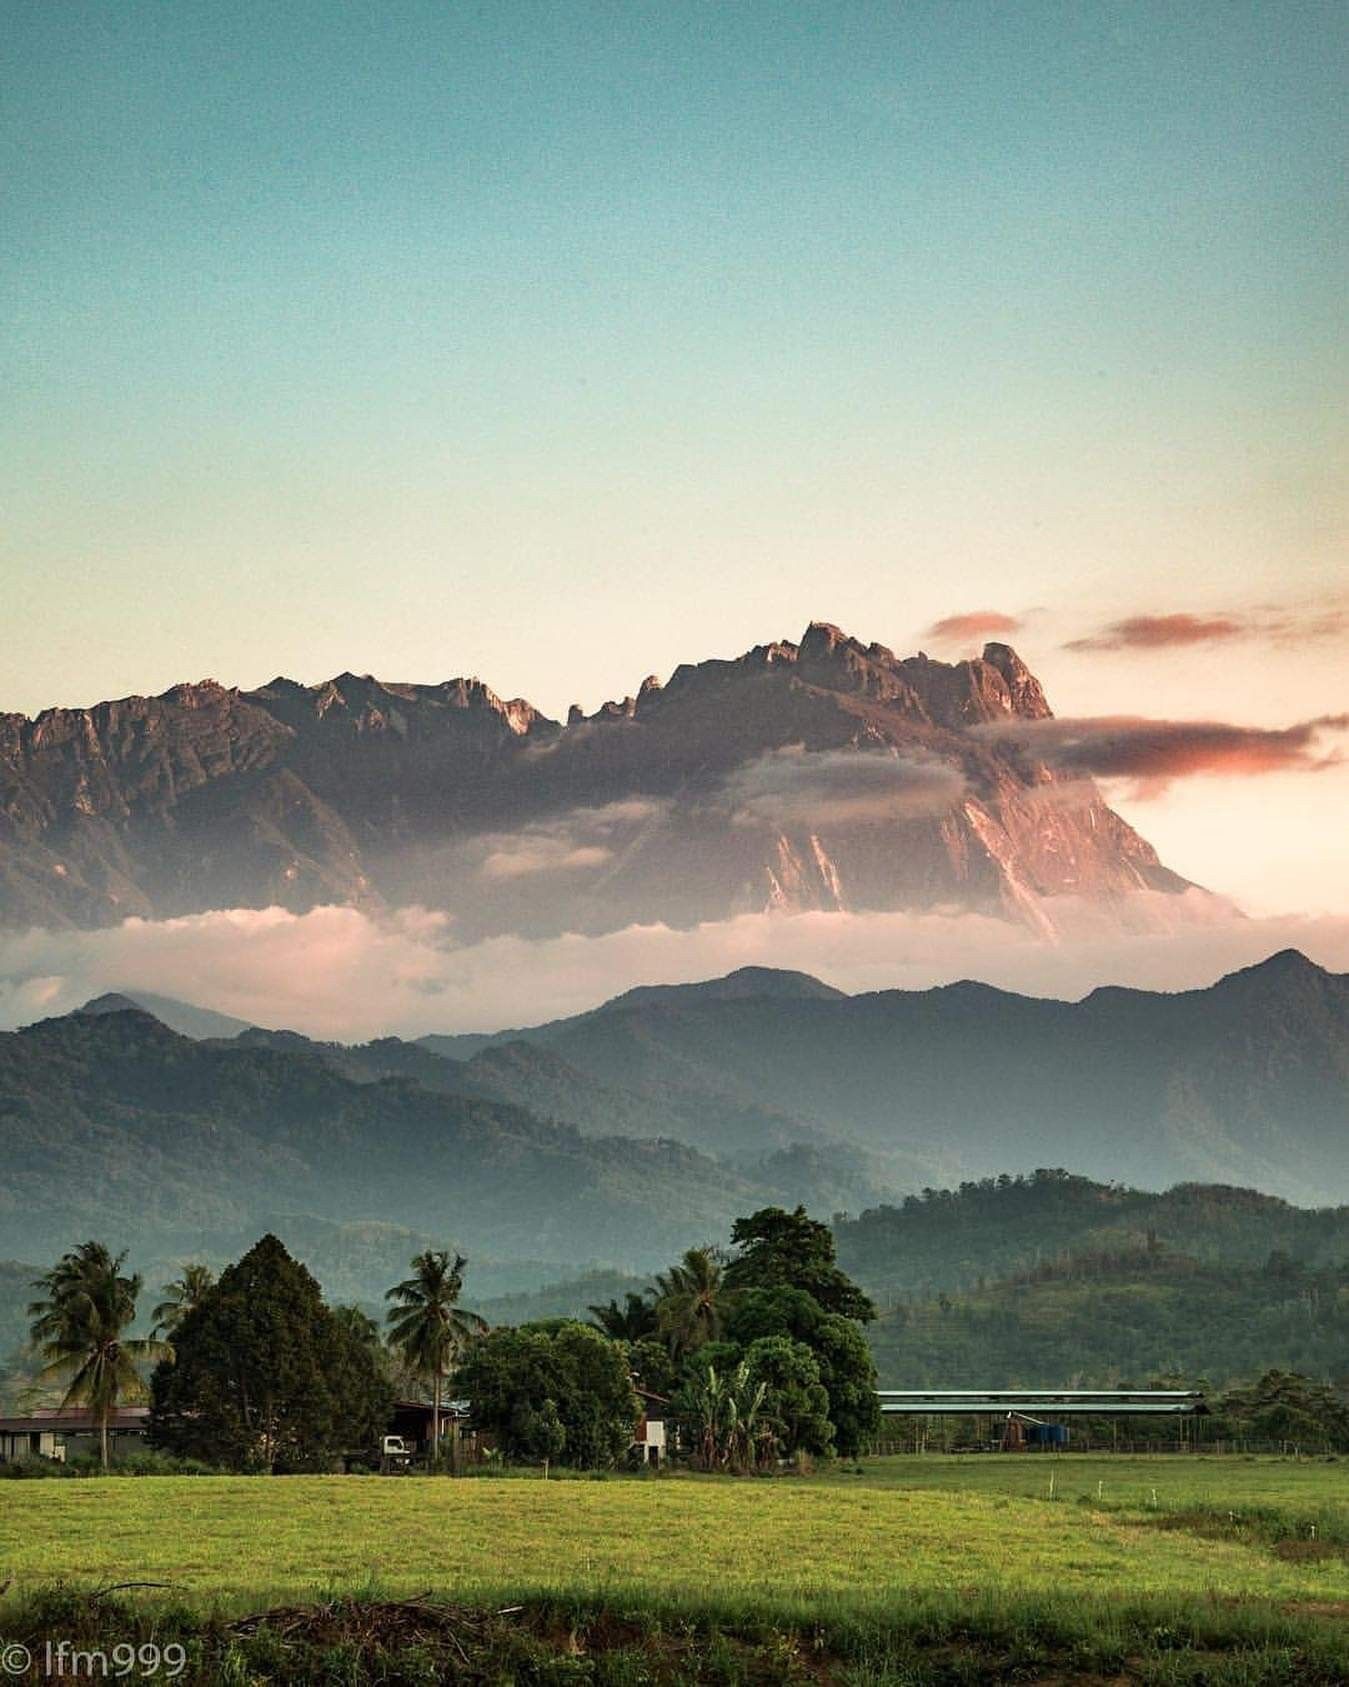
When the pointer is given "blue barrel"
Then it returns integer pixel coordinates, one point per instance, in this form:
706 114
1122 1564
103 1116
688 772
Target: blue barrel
1047 1434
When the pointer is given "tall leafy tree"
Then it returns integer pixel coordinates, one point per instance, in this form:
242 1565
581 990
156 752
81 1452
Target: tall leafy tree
429 1327
80 1326
1284 1406
838 1344
780 1249
265 1376
180 1297
794 1401
511 1375
692 1299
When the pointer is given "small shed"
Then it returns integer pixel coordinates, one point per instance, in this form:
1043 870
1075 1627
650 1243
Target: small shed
650 1442
414 1421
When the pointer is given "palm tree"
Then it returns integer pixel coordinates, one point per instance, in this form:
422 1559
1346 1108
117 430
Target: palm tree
183 1295
79 1328
691 1301
635 1320
428 1327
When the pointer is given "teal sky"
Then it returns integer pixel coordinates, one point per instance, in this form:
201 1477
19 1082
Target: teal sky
563 342
567 341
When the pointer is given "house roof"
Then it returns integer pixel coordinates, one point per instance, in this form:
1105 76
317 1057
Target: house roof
73 1420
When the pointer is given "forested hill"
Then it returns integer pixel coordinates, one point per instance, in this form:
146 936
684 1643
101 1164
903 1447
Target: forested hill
114 1126
951 1239
1108 1320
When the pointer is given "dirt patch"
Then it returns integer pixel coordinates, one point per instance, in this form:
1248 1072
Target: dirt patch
1305 1552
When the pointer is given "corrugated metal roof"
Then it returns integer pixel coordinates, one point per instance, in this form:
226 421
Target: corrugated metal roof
1100 1409
73 1420
1097 1402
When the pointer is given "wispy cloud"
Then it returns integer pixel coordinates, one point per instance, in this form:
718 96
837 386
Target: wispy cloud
1156 632
1153 753
974 624
795 788
524 856
579 840
1272 623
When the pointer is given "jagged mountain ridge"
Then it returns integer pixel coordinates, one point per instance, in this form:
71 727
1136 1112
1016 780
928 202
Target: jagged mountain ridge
824 774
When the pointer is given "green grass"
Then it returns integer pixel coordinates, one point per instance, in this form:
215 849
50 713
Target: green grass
1178 1479
917 1559
901 1528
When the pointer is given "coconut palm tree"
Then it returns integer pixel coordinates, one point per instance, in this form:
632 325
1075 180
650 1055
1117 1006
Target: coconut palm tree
635 1320
691 1301
79 1326
181 1296
427 1325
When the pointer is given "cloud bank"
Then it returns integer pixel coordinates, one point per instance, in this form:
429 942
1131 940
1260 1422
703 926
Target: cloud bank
1153 753
336 972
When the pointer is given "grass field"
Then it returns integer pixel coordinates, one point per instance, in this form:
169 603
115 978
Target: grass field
1247 1556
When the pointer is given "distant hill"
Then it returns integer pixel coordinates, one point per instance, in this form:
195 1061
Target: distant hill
1123 1319
1038 1280
741 985
185 1018
949 1240
111 1124
1244 1082
528 1073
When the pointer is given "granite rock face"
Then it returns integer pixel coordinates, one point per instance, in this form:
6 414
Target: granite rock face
828 774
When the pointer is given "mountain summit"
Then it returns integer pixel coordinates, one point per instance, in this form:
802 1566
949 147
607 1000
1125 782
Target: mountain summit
827 774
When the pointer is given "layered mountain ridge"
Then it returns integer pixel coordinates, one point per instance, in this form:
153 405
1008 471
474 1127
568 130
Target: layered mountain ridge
828 774
1245 1081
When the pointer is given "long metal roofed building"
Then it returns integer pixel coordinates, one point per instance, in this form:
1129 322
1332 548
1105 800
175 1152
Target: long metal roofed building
1054 1402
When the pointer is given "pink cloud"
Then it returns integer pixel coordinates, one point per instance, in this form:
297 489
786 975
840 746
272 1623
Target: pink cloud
975 624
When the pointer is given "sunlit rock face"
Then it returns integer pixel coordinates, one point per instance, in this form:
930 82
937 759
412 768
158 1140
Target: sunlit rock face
828 774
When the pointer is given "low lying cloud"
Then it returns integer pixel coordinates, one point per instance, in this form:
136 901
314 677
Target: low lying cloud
576 841
797 788
336 972
976 624
1153 753
1272 623
522 857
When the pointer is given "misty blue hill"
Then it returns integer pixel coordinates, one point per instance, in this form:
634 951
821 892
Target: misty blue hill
113 1125
1245 1081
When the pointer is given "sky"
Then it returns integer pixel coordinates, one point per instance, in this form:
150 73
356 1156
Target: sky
562 343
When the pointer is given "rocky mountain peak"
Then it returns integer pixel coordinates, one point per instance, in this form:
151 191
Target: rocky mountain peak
829 774
1025 693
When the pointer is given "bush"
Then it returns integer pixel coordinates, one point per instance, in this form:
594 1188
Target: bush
34 1466
143 1462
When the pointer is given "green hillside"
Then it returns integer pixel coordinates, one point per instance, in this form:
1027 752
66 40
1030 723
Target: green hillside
947 1239
1104 1320
113 1125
